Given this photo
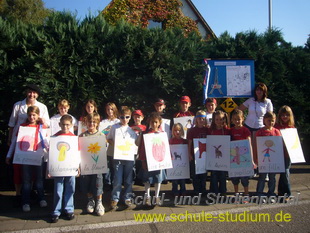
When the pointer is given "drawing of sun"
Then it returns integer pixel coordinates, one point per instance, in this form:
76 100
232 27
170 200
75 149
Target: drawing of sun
94 148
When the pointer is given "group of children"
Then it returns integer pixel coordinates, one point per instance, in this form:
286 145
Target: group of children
206 122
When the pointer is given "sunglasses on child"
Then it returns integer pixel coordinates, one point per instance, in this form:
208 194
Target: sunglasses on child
124 117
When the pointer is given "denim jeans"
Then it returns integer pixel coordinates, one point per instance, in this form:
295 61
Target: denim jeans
123 171
92 184
175 184
218 182
108 178
64 187
199 180
30 171
271 184
284 186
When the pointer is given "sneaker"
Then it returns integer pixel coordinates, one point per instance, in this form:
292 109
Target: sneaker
128 203
148 201
267 178
54 218
114 206
26 208
90 206
99 209
246 199
70 216
158 201
43 203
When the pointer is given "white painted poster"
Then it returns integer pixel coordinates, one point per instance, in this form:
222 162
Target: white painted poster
240 159
93 155
105 127
165 126
180 162
200 151
218 152
270 154
157 151
27 150
293 146
187 123
64 156
124 145
81 127
54 124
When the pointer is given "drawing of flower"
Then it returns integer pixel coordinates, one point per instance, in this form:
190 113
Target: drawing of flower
94 148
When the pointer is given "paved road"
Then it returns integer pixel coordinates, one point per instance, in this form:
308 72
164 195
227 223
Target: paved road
13 219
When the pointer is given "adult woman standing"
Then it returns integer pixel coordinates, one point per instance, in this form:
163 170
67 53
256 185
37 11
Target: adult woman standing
18 117
257 107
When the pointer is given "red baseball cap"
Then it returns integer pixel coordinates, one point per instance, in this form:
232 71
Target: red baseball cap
160 101
137 112
185 99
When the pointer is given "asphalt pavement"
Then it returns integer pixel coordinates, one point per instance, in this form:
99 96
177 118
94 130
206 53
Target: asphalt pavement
38 219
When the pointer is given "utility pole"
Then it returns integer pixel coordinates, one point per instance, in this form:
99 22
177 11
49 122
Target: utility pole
270 15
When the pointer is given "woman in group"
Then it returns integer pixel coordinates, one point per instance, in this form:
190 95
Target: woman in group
257 107
18 117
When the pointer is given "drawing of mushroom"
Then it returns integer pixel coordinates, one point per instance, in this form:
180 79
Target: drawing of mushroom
62 147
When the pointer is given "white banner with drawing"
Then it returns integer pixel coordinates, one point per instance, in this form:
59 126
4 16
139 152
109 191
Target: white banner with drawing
270 154
157 151
180 162
218 152
241 163
93 155
64 156
200 151
293 146
124 145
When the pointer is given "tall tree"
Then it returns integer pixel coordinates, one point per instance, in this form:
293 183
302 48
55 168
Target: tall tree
28 11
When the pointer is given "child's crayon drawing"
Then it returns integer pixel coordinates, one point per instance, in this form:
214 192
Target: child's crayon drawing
62 147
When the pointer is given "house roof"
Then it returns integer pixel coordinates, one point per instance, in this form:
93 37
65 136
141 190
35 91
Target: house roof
200 18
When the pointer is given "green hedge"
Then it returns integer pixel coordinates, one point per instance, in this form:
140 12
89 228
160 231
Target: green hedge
132 66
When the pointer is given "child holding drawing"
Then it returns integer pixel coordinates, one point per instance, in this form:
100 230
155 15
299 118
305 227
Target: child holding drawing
269 120
30 171
64 187
285 120
198 131
239 132
177 138
123 168
92 185
112 115
218 127
150 177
